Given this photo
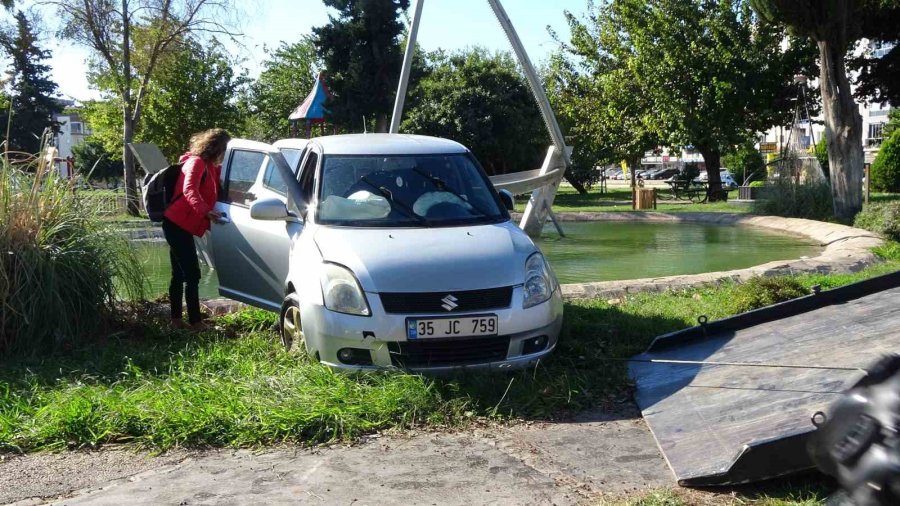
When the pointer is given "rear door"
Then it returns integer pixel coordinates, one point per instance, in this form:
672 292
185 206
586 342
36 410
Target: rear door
251 256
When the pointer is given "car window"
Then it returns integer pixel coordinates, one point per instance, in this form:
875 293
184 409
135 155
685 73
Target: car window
272 179
292 156
242 171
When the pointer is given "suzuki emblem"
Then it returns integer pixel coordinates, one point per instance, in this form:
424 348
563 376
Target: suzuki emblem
449 303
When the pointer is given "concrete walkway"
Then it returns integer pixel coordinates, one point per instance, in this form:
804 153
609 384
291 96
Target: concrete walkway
541 463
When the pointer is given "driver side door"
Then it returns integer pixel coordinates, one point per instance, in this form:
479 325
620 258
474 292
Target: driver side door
251 256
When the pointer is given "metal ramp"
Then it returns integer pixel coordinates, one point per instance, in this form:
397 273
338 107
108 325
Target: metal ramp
726 421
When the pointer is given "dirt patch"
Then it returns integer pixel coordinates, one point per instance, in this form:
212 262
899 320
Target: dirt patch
54 474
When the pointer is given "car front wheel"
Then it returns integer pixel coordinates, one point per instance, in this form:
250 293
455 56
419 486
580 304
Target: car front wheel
291 327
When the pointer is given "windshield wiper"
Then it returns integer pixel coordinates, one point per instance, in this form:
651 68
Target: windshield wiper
442 185
400 205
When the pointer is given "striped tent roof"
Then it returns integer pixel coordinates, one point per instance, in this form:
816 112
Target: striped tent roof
313 108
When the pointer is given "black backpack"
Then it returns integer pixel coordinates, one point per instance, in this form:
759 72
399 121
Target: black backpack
159 188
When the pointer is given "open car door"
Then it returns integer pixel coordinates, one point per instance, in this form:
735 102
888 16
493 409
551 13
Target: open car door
251 256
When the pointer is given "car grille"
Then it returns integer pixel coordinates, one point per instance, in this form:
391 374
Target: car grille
433 302
449 352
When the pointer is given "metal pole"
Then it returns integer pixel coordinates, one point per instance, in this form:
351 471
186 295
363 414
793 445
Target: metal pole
407 66
533 81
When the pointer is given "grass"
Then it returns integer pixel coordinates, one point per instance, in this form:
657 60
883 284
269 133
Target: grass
234 387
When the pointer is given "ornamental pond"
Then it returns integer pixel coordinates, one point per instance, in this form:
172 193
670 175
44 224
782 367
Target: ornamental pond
604 251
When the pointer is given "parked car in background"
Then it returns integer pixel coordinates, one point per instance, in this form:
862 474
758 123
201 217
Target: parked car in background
725 175
383 250
665 173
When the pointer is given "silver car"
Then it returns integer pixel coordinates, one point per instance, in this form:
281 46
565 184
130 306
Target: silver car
383 250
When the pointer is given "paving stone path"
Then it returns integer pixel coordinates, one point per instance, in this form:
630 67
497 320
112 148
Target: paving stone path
596 455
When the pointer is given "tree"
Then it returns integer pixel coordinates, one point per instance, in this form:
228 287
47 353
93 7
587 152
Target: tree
285 81
480 100
362 55
129 39
93 161
31 91
698 73
745 162
835 25
885 171
878 76
195 90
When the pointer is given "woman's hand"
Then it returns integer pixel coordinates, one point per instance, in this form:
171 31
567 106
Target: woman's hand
215 216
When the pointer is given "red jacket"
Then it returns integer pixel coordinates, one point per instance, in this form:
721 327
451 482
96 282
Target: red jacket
195 195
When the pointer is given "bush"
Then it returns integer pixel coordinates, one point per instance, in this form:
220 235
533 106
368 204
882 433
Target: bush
757 184
785 198
822 156
882 218
95 163
62 268
746 162
885 171
759 292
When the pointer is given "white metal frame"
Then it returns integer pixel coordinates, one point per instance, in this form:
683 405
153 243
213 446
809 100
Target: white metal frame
544 181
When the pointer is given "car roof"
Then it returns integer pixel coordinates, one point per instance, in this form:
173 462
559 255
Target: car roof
386 144
248 144
293 143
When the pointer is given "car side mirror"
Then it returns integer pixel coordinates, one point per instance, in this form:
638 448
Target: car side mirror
269 209
507 198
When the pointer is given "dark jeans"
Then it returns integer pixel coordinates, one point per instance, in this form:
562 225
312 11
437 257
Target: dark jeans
185 271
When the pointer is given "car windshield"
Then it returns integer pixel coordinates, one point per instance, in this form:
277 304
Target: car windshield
405 191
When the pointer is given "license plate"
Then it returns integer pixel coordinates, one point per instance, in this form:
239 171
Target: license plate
469 326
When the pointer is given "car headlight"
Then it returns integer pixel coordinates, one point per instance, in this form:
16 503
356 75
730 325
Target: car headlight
539 281
341 291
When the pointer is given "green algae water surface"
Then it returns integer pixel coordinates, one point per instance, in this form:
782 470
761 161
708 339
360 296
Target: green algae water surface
605 251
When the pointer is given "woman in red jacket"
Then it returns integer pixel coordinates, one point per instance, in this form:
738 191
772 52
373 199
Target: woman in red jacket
189 214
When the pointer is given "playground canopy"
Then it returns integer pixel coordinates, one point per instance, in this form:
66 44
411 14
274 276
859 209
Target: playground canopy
313 110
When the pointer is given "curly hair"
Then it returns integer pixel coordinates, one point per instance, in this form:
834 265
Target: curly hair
209 144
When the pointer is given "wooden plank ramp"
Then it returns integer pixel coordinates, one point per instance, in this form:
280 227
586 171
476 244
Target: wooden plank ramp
729 424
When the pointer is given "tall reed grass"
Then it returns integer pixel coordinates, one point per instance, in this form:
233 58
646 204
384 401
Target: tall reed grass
62 269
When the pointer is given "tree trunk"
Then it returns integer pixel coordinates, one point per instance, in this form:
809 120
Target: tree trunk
381 123
131 195
843 130
577 185
712 157
132 204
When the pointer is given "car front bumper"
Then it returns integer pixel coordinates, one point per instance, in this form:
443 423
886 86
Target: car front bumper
327 332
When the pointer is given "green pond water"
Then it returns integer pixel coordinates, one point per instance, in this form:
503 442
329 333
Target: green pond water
603 251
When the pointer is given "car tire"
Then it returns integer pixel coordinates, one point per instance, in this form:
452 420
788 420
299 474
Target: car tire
290 327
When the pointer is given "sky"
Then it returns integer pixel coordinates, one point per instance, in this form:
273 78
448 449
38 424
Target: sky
447 24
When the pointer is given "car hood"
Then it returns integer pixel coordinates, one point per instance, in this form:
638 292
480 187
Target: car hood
429 260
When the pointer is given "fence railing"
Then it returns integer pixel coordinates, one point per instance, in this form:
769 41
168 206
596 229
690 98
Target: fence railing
104 204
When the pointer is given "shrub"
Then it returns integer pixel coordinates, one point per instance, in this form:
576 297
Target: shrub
822 156
62 268
882 218
745 162
885 171
757 184
785 198
759 292
94 162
